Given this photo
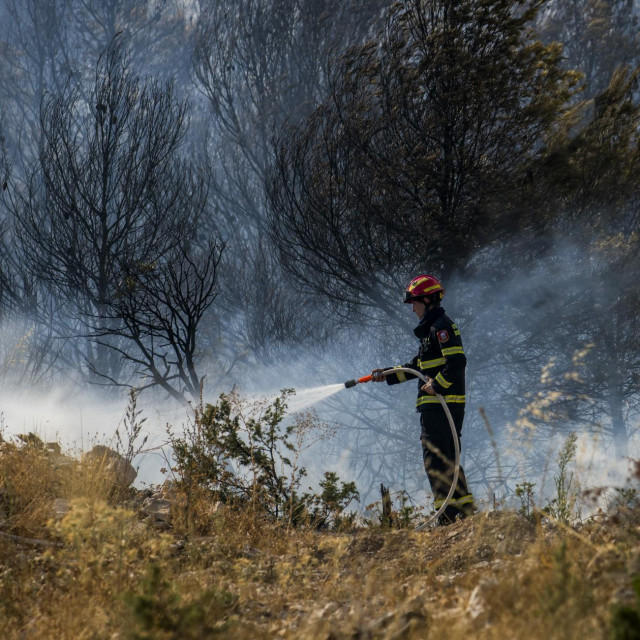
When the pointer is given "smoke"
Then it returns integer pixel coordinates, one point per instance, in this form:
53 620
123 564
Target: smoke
79 417
594 473
549 327
526 309
527 318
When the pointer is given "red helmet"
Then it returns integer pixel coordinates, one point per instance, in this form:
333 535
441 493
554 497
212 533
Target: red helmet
422 286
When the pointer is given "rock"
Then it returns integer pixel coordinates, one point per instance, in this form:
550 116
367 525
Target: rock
53 447
158 509
477 604
61 507
250 552
136 501
123 471
60 461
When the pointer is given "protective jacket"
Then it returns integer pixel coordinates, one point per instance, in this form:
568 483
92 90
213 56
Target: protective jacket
440 357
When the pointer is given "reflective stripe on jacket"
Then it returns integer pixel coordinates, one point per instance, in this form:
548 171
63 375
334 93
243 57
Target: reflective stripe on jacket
440 357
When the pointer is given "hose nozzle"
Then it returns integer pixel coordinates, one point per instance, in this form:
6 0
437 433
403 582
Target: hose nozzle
352 383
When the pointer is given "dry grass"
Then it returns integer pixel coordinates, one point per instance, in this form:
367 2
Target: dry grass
495 575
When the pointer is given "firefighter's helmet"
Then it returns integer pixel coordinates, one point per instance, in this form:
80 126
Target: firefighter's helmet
422 286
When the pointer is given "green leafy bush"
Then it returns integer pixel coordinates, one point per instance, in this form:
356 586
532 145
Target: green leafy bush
247 455
328 506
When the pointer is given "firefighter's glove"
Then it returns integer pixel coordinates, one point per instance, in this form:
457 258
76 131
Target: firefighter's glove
376 375
428 388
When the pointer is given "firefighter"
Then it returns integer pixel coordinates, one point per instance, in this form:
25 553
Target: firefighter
442 360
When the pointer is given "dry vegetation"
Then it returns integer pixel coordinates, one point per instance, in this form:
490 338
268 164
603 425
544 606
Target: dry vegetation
100 571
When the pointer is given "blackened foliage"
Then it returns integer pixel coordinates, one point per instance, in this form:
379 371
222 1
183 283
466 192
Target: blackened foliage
424 149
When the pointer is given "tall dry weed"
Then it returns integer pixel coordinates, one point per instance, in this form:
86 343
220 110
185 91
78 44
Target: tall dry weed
29 482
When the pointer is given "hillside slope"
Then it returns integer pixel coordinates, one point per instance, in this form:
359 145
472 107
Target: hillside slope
495 575
81 558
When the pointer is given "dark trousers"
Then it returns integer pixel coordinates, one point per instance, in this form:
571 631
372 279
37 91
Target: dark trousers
438 451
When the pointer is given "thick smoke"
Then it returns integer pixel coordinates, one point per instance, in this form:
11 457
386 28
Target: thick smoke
533 367
548 324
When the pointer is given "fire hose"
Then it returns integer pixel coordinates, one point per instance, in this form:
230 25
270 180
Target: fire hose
454 433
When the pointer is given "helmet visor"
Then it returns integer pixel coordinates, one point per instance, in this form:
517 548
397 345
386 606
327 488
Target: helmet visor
409 297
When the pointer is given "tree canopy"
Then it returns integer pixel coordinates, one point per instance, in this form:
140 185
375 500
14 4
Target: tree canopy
426 146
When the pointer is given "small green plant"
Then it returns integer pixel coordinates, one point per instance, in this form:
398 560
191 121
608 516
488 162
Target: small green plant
407 513
525 492
563 507
240 452
327 507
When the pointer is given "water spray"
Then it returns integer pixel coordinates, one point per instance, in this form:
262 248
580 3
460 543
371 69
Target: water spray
456 443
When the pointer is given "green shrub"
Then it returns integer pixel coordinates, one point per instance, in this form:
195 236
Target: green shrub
327 507
563 507
524 491
246 454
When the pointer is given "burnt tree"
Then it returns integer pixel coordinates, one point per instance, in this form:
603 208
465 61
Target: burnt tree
425 150
110 192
